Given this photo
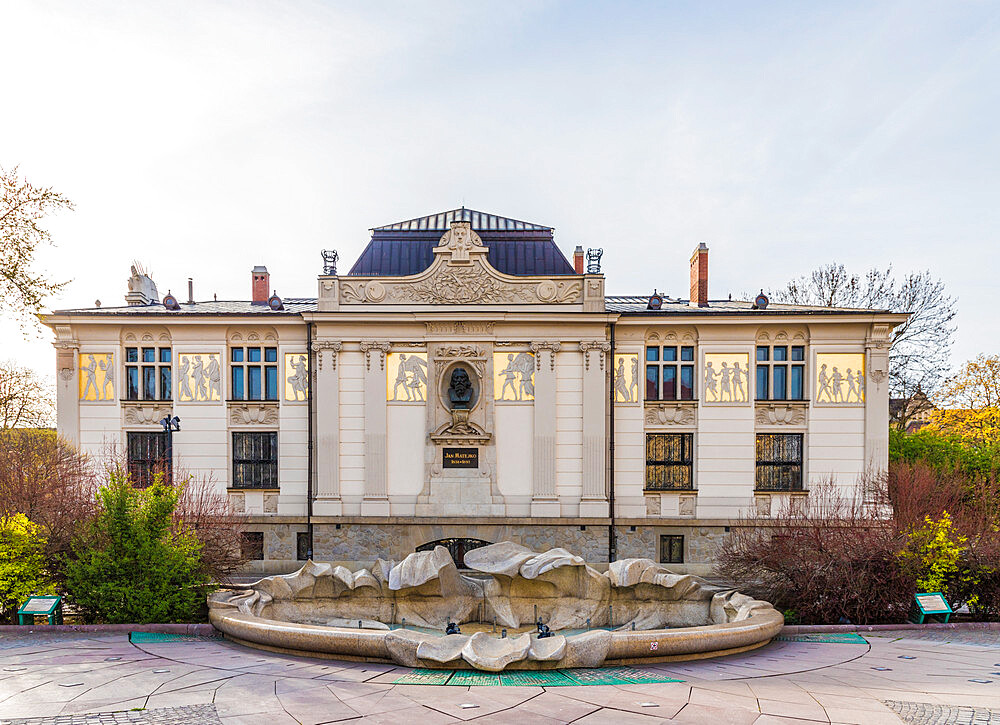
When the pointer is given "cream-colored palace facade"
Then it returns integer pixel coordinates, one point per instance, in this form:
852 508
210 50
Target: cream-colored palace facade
611 426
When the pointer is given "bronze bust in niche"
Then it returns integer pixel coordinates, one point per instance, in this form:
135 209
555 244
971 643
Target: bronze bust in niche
460 389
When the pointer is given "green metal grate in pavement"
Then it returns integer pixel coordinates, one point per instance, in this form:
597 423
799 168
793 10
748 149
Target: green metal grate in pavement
536 678
155 637
831 638
472 677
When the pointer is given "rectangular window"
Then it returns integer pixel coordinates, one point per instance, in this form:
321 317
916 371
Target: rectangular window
779 462
671 549
151 380
254 381
781 381
252 545
662 373
147 454
302 545
668 462
255 460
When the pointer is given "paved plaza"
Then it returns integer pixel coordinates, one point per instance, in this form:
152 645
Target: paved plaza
890 677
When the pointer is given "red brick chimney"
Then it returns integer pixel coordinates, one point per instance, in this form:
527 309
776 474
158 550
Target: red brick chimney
699 276
261 285
578 260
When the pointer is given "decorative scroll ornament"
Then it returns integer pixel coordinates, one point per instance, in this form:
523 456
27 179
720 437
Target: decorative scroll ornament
369 346
588 346
776 414
670 414
140 414
250 414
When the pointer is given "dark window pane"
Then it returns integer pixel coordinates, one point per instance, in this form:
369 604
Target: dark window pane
798 352
252 545
253 382
271 382
762 354
669 382
762 375
238 392
148 382
270 354
131 354
131 383
236 354
164 382
302 545
780 382
687 353
146 454
669 354
687 382
671 549
149 354
798 375
652 354
255 460
779 462
652 381
164 354
668 461
253 354
781 353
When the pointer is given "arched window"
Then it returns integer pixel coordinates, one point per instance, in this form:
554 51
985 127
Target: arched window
456 547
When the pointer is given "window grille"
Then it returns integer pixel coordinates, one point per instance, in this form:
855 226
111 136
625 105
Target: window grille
779 462
669 462
255 460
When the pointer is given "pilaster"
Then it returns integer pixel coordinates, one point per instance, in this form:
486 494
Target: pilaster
326 399
544 501
376 496
594 501
67 385
877 399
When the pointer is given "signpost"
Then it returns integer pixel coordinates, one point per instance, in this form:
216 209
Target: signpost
930 604
47 606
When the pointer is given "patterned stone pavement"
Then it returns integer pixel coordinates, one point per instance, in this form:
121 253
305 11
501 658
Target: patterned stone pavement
908 676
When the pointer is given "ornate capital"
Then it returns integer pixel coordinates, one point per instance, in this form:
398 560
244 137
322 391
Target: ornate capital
380 346
318 346
552 347
587 346
879 336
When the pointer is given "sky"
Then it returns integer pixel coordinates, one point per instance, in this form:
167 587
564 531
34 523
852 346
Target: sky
201 139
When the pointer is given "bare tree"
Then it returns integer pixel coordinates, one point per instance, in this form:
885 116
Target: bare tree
23 206
26 399
920 347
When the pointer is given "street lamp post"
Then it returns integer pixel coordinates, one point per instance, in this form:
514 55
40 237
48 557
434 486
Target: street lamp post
170 424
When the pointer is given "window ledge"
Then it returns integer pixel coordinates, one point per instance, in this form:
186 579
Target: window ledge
670 490
253 488
790 403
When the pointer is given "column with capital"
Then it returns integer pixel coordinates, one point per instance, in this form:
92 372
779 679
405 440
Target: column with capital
594 501
544 501
67 386
326 399
877 400
376 496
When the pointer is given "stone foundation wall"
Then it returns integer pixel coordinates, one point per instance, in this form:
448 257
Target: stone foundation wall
359 544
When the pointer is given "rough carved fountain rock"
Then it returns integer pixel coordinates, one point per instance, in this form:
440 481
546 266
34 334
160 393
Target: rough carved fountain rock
637 609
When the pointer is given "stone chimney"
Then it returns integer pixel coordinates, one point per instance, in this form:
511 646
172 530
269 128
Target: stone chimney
578 260
261 285
699 276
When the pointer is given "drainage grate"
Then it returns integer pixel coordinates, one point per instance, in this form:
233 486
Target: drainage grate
153 637
536 678
831 638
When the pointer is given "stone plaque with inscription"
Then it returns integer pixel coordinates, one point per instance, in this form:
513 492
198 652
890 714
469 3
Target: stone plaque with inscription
460 458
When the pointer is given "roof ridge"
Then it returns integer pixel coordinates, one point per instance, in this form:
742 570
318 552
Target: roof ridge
481 221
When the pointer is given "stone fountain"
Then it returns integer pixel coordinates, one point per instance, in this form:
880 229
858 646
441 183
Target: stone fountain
637 611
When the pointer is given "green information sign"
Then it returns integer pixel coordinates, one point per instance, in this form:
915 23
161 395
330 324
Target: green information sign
930 604
47 606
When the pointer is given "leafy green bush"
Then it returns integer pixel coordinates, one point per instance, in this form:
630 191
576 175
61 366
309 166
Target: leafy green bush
134 565
945 453
937 557
22 564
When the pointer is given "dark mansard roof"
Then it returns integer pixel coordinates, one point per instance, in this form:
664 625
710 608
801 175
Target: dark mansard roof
515 247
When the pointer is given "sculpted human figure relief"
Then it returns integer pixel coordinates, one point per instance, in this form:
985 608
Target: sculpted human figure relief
626 378
407 375
840 378
97 377
727 377
199 377
514 375
296 377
